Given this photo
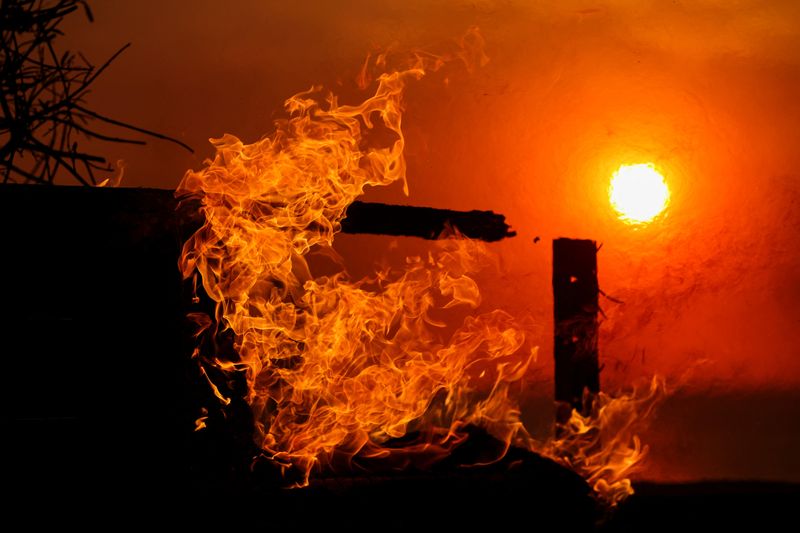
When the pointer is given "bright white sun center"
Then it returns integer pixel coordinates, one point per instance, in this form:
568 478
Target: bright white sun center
638 193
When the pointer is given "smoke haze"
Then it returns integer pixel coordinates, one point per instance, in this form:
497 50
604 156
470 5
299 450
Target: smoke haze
705 90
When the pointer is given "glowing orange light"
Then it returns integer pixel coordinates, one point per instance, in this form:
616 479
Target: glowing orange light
638 193
337 370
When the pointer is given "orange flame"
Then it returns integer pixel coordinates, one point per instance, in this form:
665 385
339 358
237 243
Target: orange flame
603 446
340 368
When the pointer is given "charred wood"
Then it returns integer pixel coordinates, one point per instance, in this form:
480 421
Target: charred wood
575 306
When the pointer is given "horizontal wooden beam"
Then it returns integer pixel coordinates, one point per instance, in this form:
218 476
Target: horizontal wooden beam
424 222
151 204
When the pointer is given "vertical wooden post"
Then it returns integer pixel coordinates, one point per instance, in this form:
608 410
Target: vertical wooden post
575 305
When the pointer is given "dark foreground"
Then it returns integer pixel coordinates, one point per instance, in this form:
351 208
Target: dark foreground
100 399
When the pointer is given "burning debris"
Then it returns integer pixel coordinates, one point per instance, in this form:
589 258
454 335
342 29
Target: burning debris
340 371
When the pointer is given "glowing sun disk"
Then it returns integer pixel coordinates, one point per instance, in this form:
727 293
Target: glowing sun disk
638 193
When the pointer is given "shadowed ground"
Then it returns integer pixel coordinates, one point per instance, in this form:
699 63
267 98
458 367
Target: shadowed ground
100 398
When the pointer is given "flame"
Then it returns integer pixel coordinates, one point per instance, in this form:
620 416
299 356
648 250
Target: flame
115 180
200 422
603 445
340 370
638 193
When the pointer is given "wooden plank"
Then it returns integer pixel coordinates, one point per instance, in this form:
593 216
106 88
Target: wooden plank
424 222
160 205
575 306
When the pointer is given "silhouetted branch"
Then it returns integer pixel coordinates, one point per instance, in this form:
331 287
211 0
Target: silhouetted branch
101 136
134 128
42 98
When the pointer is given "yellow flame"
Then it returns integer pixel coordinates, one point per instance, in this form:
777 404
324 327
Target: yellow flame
339 369
638 193
603 445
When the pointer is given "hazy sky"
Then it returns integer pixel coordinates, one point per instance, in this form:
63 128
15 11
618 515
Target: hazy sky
707 90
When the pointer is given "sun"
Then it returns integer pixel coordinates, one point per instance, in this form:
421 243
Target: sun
638 193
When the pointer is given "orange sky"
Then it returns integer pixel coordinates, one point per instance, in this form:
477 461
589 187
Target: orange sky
707 90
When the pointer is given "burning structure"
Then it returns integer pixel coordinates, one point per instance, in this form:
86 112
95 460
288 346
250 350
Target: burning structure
386 371
339 367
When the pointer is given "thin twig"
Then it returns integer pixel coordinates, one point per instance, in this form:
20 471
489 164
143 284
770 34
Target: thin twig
134 128
42 96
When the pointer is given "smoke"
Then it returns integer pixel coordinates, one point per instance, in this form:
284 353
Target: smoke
706 90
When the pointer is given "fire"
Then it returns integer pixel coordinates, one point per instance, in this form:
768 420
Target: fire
339 370
603 445
638 193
